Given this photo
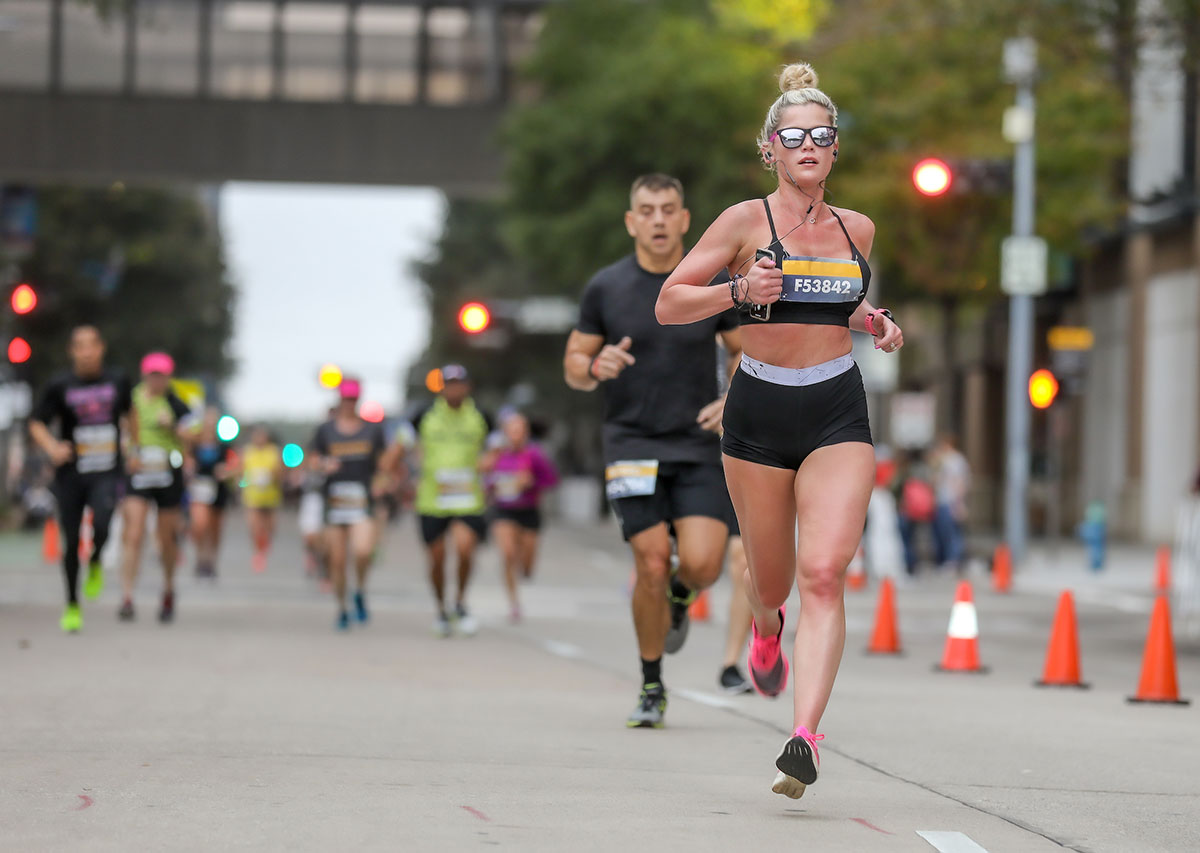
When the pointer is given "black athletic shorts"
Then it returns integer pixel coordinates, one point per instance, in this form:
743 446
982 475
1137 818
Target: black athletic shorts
164 497
529 518
434 527
779 425
682 489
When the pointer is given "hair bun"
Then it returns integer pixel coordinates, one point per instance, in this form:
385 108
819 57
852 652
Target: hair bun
798 75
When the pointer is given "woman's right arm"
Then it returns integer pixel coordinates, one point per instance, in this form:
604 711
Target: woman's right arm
686 296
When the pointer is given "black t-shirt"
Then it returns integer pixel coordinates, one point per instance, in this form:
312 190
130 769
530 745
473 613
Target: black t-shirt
358 453
650 409
88 412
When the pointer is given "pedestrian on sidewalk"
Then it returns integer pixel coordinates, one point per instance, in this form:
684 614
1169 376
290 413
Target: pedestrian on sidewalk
952 478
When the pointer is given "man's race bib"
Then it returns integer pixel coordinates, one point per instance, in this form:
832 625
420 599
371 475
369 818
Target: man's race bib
631 479
262 479
95 448
821 280
155 470
347 502
203 490
456 489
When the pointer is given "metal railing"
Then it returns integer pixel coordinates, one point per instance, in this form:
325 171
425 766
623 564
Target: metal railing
435 52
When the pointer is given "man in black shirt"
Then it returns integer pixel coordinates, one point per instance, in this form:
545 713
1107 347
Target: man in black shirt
661 417
91 405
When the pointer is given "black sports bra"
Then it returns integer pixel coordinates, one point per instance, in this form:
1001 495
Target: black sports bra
816 291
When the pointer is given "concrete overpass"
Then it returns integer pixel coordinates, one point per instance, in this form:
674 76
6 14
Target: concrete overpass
352 91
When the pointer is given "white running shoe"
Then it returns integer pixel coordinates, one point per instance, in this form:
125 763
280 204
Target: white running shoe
798 764
466 624
441 626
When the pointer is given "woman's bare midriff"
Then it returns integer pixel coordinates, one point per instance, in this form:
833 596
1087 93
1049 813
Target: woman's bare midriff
795 345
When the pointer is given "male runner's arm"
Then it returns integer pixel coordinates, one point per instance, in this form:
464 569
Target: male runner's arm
710 416
60 452
589 361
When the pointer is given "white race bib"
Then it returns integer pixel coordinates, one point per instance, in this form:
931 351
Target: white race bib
203 490
631 478
155 470
95 448
262 479
509 485
456 489
347 503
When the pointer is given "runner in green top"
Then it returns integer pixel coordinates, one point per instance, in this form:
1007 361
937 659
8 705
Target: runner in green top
158 429
452 436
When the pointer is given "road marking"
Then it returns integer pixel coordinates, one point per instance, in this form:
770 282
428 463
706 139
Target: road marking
870 825
703 698
87 801
477 813
563 650
950 842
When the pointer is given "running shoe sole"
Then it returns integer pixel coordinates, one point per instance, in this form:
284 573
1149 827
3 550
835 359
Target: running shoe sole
797 769
677 636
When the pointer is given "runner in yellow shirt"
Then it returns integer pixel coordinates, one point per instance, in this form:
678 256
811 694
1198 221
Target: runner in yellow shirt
262 492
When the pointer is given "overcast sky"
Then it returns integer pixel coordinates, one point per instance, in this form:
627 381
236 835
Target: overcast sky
322 275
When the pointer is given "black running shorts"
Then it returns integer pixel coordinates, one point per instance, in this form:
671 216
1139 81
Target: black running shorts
682 489
434 527
779 425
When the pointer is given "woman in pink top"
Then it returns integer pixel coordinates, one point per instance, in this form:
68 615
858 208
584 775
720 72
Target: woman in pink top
520 472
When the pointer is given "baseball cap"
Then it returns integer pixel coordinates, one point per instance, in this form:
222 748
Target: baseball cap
455 373
350 389
157 362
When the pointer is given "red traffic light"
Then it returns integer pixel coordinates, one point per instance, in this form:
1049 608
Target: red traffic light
932 177
474 317
1043 388
19 351
24 299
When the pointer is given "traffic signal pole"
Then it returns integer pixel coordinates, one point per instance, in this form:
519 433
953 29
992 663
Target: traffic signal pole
1020 66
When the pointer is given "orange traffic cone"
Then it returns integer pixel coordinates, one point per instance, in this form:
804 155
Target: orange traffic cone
1062 655
856 573
1158 683
51 548
1002 568
698 610
962 636
885 640
1162 569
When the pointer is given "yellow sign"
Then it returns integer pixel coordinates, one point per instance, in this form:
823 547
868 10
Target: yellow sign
1071 338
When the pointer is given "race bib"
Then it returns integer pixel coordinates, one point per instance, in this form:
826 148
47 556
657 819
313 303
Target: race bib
155 470
508 485
821 280
262 479
203 490
456 489
95 448
347 502
631 479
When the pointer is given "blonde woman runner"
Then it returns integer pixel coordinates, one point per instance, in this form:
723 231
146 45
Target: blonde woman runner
797 444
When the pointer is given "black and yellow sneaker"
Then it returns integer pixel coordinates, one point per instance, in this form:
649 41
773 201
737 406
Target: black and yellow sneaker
652 704
681 599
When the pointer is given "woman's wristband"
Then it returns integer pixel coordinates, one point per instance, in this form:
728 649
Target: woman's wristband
868 320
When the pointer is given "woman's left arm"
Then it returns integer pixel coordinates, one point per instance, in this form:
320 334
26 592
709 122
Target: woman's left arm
888 335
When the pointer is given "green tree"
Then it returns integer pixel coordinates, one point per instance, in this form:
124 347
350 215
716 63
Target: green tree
144 265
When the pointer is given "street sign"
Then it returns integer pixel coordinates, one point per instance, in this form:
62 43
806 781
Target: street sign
1023 266
546 315
1072 338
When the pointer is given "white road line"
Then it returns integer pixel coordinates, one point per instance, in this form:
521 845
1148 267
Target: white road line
950 842
703 698
563 650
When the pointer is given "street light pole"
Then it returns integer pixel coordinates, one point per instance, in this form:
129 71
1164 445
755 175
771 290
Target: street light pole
1020 66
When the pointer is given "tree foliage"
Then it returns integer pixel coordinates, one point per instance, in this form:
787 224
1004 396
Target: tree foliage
144 265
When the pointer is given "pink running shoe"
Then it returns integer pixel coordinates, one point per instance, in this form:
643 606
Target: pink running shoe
798 764
768 666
